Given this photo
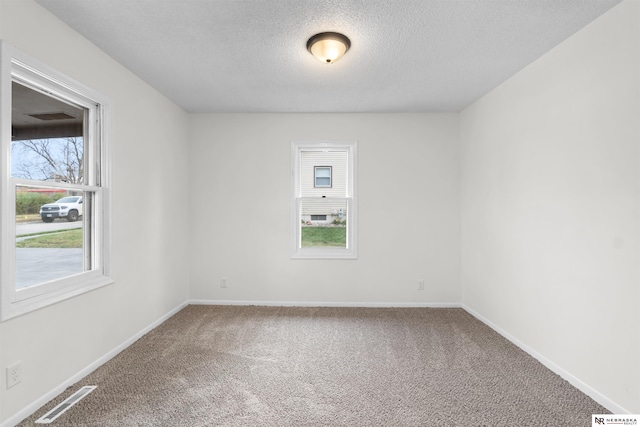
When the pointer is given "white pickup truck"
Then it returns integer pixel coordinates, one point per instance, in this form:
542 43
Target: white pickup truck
69 207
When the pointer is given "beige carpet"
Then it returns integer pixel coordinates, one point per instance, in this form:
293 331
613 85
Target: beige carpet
285 366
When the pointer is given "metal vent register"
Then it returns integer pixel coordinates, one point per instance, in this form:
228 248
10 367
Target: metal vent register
50 416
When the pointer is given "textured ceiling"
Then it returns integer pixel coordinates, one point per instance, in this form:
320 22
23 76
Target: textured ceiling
250 55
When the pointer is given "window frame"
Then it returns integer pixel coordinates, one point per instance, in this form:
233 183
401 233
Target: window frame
351 249
23 69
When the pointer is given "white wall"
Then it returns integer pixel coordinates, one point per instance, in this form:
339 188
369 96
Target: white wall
408 209
150 263
550 189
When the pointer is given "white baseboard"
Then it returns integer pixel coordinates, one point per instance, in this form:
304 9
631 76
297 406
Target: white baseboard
37 404
577 383
326 304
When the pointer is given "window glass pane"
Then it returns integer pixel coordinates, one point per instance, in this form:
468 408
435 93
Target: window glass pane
49 235
47 144
47 137
323 222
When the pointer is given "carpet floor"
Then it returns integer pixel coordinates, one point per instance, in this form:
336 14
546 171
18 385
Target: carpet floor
304 366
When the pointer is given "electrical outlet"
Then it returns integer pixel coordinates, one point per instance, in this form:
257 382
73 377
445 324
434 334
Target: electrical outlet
14 374
223 282
421 285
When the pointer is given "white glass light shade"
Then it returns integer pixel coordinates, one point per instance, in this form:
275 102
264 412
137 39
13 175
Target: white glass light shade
328 47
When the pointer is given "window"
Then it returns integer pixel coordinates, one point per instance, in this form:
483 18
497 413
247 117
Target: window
323 202
53 133
322 176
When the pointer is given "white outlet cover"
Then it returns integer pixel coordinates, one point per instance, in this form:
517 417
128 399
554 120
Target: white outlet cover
14 374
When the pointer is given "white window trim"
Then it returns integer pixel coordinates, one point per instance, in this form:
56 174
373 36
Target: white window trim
16 65
351 250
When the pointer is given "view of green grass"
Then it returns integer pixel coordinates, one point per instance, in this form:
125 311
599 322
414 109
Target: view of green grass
324 236
62 239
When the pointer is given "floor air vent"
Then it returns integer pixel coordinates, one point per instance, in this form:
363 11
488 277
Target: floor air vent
50 416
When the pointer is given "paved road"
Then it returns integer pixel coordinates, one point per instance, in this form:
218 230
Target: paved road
36 265
40 227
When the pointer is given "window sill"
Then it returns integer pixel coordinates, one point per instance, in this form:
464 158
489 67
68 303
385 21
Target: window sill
321 253
22 303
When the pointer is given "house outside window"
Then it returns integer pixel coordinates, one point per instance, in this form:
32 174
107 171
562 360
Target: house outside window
324 217
53 131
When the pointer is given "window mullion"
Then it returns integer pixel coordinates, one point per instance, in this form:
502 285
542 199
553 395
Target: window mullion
53 185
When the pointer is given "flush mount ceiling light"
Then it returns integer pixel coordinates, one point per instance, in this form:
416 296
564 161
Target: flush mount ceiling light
328 47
